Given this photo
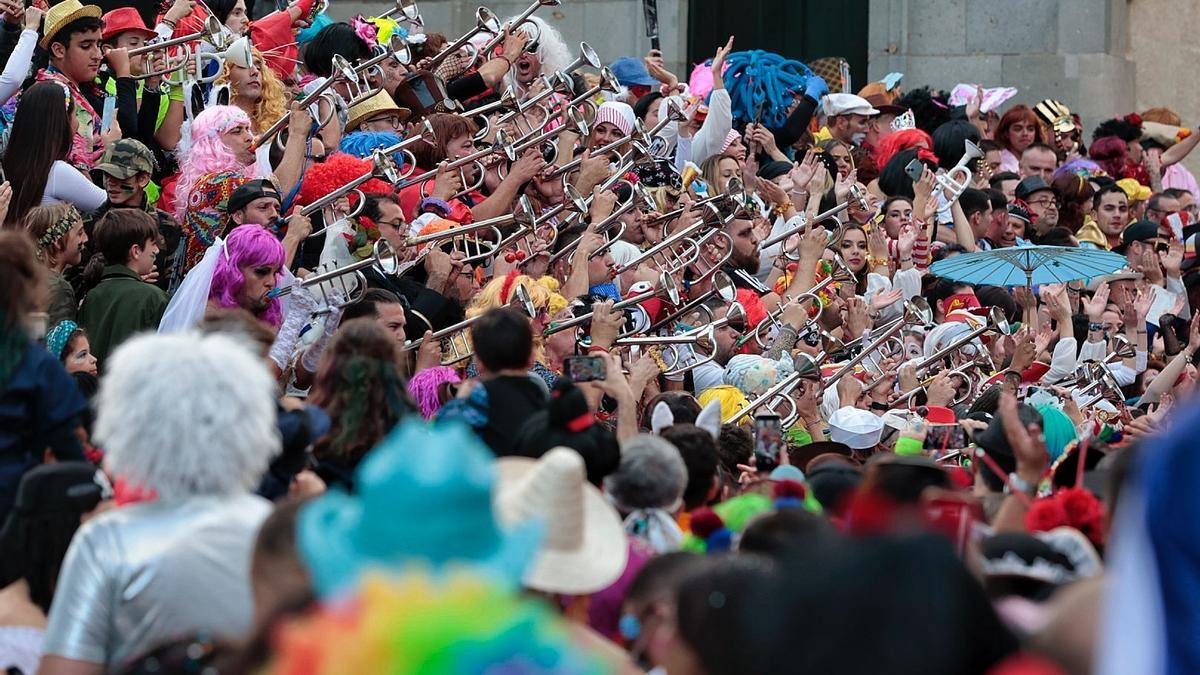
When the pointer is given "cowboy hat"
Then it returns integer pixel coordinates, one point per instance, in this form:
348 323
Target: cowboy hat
58 16
584 549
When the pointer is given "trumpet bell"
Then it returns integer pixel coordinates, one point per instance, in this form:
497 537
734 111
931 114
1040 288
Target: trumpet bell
724 287
973 152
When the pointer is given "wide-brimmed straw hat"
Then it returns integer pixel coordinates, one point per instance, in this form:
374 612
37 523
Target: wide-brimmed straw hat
62 14
379 102
584 549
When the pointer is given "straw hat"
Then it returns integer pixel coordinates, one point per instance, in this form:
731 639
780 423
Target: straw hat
62 14
379 102
584 549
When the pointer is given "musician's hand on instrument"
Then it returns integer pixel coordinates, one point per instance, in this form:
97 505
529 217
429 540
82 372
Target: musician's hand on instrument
795 314
527 166
941 391
429 354
606 324
299 120
298 227
849 390
439 268
447 183
592 171
908 377
813 242
117 58
603 202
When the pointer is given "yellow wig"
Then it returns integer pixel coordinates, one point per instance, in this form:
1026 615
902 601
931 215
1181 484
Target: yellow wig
541 291
732 400
272 105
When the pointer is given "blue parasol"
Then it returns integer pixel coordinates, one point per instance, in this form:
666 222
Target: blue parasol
1028 265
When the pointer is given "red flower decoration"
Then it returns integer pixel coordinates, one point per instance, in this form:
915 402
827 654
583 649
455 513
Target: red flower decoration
1070 507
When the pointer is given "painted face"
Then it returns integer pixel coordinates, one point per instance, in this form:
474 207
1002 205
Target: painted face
257 282
899 214
526 68
143 262
238 21
854 249
73 246
125 191
79 358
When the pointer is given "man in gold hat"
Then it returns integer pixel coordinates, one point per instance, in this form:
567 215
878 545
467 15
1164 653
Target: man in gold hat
72 37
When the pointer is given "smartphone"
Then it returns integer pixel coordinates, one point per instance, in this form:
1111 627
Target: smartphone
945 437
585 368
768 441
914 169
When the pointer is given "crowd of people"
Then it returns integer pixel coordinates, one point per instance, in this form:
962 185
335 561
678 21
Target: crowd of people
362 347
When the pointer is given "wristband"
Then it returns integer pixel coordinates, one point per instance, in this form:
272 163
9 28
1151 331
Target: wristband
1018 484
909 446
597 348
436 204
1095 327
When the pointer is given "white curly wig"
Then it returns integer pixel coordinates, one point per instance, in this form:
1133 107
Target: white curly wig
552 51
184 414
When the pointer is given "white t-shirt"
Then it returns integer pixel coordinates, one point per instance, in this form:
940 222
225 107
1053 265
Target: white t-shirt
67 184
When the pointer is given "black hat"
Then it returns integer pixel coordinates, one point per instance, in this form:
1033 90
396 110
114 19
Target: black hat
248 192
62 488
1017 554
1032 184
1141 230
993 439
774 169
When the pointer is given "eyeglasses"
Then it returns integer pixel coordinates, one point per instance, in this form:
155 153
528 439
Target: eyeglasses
1044 201
392 120
399 224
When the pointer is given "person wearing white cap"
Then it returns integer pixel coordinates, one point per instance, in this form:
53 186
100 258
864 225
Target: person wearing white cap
614 121
858 429
847 117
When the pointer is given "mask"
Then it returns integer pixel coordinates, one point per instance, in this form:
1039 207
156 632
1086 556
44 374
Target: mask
859 137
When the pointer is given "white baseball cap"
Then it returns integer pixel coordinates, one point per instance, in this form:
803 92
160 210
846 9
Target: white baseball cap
856 428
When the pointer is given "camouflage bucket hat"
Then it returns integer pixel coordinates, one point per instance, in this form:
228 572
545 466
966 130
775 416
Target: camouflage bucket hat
126 158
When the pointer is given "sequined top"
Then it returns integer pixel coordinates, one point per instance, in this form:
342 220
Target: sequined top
138 576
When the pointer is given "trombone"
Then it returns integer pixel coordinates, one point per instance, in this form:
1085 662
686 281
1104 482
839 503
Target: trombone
342 70
963 372
485 21
501 146
722 287
995 323
450 335
407 9
522 215
669 344
212 28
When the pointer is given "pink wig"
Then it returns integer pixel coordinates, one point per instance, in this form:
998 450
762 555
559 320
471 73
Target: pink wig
899 141
426 388
246 246
208 153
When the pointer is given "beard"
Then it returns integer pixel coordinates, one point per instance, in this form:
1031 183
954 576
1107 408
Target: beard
746 262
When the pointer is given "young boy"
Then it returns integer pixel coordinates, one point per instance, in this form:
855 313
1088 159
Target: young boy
123 303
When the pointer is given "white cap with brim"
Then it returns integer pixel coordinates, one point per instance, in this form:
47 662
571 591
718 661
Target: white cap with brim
848 104
855 428
1125 275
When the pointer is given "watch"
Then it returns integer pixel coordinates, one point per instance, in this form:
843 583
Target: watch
1019 484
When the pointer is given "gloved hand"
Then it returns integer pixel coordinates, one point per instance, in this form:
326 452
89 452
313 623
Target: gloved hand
312 356
816 87
300 305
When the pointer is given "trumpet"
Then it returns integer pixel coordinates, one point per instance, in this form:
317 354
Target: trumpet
577 125
996 323
383 166
841 274
856 197
464 234
1102 380
961 170
396 47
964 372
735 315
485 21
501 146
911 316
382 258
558 84
238 51
722 287
705 338
461 349
479 115
342 70
212 28
407 9
521 19
666 289
779 394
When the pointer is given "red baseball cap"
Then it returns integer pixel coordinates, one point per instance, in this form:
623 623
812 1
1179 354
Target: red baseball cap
124 20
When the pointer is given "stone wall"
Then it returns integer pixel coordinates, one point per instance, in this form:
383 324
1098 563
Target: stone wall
1070 50
612 27
1163 44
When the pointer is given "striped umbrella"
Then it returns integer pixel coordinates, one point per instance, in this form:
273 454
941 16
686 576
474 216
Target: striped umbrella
1028 265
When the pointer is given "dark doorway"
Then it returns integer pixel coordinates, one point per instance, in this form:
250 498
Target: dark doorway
798 29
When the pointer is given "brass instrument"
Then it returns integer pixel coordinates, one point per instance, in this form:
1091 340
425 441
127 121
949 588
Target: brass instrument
665 289
722 287
841 274
383 166
454 338
856 197
342 71
382 258
520 20
996 323
956 186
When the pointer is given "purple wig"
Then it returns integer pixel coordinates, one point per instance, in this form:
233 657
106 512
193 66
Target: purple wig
246 246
